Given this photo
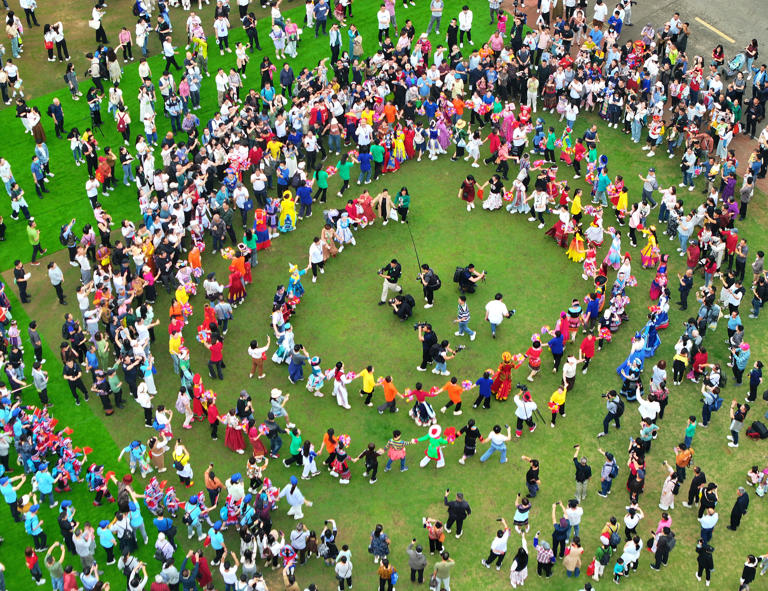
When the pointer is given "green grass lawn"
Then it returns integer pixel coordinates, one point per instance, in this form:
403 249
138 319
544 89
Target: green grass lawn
338 319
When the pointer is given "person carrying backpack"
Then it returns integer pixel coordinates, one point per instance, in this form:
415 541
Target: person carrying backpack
615 407
609 471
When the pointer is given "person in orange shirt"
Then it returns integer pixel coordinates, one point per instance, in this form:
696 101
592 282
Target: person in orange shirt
390 396
390 113
454 390
330 441
458 105
194 261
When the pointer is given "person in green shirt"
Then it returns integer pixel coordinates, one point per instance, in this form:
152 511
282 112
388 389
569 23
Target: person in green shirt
402 203
442 572
549 152
690 431
115 385
344 166
294 448
249 239
33 234
321 177
377 153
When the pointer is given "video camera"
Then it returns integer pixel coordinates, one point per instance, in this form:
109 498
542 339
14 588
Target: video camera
419 325
521 387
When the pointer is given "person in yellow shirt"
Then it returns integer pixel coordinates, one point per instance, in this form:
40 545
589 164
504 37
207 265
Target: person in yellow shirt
369 383
557 404
174 348
454 390
274 146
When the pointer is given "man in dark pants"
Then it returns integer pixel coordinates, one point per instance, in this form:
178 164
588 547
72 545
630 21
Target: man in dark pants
130 373
74 376
739 508
321 16
428 338
613 414
699 480
686 284
57 114
458 511
664 543
20 276
416 561
57 278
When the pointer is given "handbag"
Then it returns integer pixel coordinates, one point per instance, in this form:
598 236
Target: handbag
95 24
433 586
392 215
393 578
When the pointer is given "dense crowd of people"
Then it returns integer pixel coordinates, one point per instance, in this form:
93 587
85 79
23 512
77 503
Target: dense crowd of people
252 171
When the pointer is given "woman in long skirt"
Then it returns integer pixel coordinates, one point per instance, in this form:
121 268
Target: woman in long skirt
233 435
502 381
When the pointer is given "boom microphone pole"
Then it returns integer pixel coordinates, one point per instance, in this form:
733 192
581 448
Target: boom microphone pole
415 250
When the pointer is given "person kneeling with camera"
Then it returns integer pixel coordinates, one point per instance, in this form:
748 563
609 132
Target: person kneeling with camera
468 277
402 306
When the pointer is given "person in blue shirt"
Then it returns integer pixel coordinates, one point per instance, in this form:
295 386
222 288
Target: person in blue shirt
430 108
589 320
188 578
107 540
304 193
8 490
192 515
616 23
483 391
321 16
364 158
45 482
137 521
283 178
217 542
556 347
596 35
34 527
164 525
38 175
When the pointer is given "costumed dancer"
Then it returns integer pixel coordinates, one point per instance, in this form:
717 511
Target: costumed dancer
434 447
613 258
502 380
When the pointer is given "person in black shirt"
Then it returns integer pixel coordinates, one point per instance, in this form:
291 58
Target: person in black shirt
471 435
74 376
371 456
428 338
583 474
402 307
458 511
532 476
391 274
430 283
20 275
452 35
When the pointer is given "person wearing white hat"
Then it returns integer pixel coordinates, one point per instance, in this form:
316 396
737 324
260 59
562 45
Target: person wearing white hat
434 448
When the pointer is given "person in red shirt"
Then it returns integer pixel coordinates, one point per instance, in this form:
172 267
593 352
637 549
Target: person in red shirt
216 361
70 581
587 350
699 361
694 253
494 143
33 565
534 359
213 419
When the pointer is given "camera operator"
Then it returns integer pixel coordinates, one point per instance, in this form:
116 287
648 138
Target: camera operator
615 408
402 307
468 279
428 338
442 353
430 282
391 274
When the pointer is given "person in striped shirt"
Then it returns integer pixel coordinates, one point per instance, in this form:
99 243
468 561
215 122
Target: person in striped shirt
462 318
396 451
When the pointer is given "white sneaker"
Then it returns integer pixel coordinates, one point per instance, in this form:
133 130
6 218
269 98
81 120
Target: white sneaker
428 305
458 334
472 336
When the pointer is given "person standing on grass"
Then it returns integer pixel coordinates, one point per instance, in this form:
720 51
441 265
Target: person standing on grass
390 395
417 562
498 442
705 563
498 547
739 509
496 311
56 278
583 474
258 355
458 511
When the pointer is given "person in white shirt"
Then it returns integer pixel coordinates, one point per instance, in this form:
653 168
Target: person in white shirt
343 570
498 547
495 312
601 11
169 51
222 84
465 25
384 19
257 354
221 26
316 259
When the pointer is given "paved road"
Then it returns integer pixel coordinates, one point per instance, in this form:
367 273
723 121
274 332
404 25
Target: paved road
742 20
